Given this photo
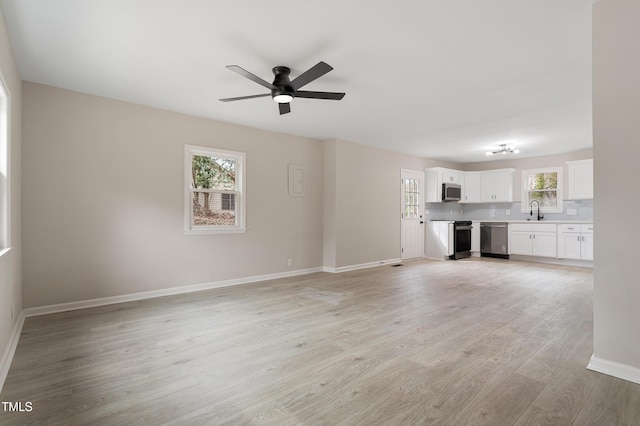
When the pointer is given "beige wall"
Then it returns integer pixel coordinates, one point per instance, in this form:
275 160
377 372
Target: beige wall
364 202
559 160
10 272
103 200
616 109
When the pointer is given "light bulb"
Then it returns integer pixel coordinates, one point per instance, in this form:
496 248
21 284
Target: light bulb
283 99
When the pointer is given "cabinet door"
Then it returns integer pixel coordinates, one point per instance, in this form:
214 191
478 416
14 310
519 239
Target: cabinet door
520 242
544 244
475 237
450 176
487 193
570 245
432 186
503 186
581 180
587 247
471 188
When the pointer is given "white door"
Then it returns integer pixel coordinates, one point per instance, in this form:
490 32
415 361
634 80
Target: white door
412 222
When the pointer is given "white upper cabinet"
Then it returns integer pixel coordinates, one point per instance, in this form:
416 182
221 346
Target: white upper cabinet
451 176
435 177
496 186
580 179
471 188
490 186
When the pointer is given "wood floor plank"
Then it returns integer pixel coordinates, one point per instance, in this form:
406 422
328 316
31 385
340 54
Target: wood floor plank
476 341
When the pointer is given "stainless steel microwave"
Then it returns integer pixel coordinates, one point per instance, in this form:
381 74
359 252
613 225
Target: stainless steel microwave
451 192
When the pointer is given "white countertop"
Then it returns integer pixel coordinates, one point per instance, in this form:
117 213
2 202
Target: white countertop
533 221
518 221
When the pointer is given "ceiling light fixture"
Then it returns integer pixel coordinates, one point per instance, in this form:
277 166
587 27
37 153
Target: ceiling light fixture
283 98
504 149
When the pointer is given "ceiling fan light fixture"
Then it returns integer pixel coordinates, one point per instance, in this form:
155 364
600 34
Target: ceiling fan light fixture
283 98
504 149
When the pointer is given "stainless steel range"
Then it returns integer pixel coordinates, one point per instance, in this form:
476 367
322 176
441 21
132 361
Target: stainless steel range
461 239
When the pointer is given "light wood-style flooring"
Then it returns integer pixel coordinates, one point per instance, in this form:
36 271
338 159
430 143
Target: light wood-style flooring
468 342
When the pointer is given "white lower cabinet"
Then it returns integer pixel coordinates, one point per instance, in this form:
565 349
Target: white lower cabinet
475 237
533 239
575 241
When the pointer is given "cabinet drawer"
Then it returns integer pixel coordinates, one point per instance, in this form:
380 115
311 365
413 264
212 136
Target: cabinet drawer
586 228
525 227
544 227
534 227
565 227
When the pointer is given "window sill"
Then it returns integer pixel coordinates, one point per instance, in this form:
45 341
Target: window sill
215 231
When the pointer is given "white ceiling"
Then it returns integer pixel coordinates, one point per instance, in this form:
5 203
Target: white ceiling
441 79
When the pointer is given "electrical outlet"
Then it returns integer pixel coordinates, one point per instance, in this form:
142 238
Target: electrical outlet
508 212
572 212
290 261
450 212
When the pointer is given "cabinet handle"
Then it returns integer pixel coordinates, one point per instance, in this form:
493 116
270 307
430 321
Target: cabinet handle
578 237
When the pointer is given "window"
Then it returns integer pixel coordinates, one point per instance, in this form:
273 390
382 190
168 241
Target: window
214 193
411 198
4 169
543 186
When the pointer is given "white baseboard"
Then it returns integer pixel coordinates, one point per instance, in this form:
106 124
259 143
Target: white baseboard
553 260
10 350
82 304
615 369
360 266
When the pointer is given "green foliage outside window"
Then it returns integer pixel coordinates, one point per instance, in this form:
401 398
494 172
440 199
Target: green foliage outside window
543 188
213 173
211 208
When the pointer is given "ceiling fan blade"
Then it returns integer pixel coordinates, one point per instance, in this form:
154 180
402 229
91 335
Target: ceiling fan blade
284 108
319 95
239 98
250 76
316 71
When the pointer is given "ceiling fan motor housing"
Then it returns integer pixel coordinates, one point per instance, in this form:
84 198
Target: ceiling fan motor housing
282 82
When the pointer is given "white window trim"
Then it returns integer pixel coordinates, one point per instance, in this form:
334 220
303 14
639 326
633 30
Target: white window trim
241 212
525 203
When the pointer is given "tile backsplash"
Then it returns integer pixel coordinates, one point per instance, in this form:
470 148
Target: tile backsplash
498 211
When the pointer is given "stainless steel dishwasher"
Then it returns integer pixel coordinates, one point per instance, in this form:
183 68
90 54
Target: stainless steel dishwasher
494 239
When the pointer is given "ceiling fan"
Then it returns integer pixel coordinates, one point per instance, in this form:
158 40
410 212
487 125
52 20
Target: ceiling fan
283 90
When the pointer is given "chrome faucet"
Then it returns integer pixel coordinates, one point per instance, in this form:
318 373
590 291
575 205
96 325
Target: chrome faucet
540 216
